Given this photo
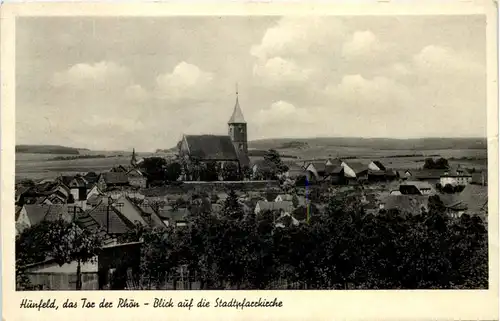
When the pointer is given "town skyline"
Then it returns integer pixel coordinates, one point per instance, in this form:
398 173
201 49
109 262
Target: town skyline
339 77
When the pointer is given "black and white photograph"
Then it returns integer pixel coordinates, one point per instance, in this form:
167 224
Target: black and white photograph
251 152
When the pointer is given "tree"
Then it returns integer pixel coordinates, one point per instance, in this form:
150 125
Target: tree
230 172
155 167
62 241
210 172
173 171
440 163
232 208
273 163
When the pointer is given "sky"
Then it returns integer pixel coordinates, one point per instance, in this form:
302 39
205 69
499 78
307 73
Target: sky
123 83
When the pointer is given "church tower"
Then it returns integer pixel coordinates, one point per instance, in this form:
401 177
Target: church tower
238 130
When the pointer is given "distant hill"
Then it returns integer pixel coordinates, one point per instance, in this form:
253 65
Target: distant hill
375 143
47 149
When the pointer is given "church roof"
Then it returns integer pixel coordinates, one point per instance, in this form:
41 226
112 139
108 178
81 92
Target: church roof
212 147
237 117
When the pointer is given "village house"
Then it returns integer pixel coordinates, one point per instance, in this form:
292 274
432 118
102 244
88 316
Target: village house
31 214
137 178
355 171
404 175
455 178
221 149
411 204
109 180
415 188
432 176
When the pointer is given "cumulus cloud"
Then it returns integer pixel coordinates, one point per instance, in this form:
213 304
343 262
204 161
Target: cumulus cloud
186 80
362 43
283 112
97 75
299 36
438 61
278 71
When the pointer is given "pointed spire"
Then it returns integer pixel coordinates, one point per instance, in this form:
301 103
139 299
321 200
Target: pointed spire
133 161
237 117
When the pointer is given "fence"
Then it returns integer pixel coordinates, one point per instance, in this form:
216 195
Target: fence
63 281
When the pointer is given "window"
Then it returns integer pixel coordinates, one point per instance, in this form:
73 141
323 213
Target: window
241 147
241 129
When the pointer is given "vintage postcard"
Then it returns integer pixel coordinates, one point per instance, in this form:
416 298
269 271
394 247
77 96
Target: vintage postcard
249 161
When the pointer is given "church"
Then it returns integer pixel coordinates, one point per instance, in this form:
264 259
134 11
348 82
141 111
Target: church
222 149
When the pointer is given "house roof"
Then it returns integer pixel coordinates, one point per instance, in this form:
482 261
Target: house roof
78 181
211 147
86 221
21 190
379 165
357 167
475 197
286 206
38 212
115 177
119 169
428 173
237 116
334 169
418 184
66 179
406 203
118 224
335 161
286 220
135 172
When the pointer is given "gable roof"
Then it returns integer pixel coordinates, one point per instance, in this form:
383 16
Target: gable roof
39 212
379 165
78 181
115 177
118 224
286 206
357 167
237 116
87 222
211 147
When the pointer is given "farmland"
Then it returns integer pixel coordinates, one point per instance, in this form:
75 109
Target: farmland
471 154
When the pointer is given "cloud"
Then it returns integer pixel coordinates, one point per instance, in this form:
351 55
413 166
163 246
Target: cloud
100 75
299 36
283 112
362 43
437 61
278 71
185 81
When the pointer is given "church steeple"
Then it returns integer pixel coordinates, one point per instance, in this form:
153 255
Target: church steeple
238 131
133 160
237 117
